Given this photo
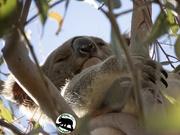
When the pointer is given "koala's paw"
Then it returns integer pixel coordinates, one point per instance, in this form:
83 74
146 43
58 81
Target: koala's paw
151 70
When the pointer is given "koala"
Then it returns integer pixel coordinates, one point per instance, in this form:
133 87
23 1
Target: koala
85 71
60 67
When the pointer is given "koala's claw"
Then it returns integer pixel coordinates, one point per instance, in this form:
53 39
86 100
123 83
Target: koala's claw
149 72
152 80
164 82
164 73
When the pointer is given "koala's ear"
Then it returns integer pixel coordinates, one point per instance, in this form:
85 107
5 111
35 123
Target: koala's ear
12 91
128 41
127 37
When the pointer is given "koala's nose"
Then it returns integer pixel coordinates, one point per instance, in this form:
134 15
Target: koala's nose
83 46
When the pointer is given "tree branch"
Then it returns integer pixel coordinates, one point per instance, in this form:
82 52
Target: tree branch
25 12
141 24
11 127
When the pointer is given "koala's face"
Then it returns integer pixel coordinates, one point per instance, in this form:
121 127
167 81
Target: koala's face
74 56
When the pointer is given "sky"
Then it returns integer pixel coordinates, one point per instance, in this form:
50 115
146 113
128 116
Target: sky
81 19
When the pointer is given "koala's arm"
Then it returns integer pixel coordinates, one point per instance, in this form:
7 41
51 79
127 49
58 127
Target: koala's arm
86 90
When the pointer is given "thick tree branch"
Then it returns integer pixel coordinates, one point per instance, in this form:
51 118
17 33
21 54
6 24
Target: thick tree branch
140 27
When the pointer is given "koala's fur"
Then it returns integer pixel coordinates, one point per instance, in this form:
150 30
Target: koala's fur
88 68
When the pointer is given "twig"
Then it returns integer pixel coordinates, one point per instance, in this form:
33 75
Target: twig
101 6
18 119
167 56
11 127
38 12
56 3
25 11
5 74
173 57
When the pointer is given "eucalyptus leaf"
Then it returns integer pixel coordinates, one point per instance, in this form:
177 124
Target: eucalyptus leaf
116 46
114 3
169 123
173 35
166 62
9 15
5 113
171 19
43 9
67 4
176 69
82 125
160 27
168 97
177 47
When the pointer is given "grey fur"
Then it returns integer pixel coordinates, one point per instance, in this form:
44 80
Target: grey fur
90 81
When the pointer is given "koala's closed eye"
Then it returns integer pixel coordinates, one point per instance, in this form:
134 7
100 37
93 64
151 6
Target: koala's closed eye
100 44
60 59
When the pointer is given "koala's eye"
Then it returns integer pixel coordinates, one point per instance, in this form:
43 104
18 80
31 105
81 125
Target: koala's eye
100 44
60 59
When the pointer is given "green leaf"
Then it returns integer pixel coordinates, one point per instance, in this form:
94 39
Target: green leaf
177 47
50 0
168 123
171 19
160 27
171 99
116 46
43 9
5 113
9 14
114 3
82 125
167 62
173 35
66 6
176 69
